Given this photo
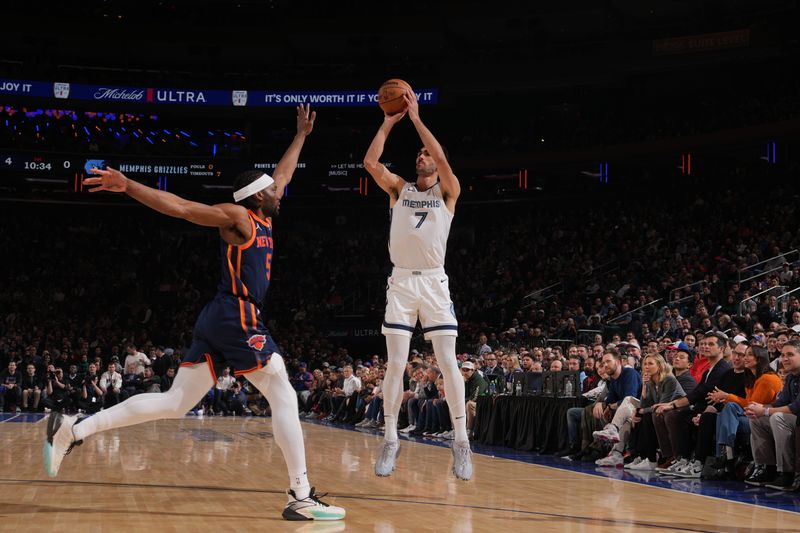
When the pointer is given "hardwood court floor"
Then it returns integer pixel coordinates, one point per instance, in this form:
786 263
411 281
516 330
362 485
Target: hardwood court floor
228 474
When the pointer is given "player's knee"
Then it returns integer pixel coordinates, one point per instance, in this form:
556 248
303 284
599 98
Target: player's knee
275 365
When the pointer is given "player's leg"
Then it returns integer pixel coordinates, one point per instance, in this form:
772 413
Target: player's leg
440 326
397 347
444 346
63 431
398 325
273 382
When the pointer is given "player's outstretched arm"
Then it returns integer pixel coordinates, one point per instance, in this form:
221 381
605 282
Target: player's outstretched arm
220 215
288 163
451 188
386 180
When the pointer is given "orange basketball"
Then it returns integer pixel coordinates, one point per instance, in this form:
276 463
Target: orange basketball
390 96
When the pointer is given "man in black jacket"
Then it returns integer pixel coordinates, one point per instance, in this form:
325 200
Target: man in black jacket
673 420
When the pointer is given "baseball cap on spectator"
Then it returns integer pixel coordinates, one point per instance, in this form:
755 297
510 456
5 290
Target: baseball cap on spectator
739 338
468 364
796 328
511 331
325 364
415 352
168 352
302 364
718 334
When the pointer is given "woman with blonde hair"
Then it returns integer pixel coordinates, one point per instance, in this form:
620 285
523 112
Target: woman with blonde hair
511 366
659 385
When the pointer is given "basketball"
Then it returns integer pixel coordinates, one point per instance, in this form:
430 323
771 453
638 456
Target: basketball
390 96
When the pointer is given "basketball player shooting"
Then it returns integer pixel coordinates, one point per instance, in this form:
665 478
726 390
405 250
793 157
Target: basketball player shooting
421 214
229 330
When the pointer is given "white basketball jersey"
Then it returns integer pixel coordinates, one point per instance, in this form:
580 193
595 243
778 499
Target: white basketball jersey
420 227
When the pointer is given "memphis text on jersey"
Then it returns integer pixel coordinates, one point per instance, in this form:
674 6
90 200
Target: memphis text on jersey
424 204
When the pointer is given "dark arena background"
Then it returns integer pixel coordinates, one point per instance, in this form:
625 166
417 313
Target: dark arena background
629 186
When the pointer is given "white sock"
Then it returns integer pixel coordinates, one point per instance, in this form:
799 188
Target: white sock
444 346
273 382
397 354
191 383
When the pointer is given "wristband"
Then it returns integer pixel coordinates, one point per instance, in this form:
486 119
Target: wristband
766 411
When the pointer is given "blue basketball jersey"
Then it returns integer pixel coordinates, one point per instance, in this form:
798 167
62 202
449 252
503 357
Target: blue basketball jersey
246 267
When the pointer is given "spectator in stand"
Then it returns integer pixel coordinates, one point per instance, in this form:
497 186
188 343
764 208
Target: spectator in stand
427 419
10 394
706 421
167 379
774 429
57 394
151 382
483 348
235 399
658 386
492 368
556 365
622 382
111 386
224 382
374 414
574 363
673 420
346 396
302 383
762 386
682 358
592 377
160 362
474 386
537 339
527 362
91 392
581 422
131 382
418 395
135 356
32 387
511 366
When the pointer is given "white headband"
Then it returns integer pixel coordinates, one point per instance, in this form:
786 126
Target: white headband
249 190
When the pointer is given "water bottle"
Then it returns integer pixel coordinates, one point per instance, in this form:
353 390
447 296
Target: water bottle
492 387
568 389
518 390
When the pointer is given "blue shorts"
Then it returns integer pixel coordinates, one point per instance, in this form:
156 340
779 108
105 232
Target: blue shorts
230 332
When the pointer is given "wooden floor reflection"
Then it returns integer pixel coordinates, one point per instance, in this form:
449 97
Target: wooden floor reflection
227 474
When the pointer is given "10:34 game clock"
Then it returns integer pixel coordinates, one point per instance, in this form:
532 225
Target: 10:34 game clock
35 163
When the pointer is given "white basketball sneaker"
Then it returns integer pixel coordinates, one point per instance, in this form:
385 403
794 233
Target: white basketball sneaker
462 460
384 466
311 508
60 441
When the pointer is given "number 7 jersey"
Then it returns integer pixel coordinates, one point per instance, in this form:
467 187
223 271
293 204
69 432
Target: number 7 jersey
420 225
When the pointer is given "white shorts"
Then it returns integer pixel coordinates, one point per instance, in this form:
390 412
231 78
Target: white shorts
423 294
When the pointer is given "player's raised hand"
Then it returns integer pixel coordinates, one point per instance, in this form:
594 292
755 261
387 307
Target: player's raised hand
107 180
394 119
412 104
305 119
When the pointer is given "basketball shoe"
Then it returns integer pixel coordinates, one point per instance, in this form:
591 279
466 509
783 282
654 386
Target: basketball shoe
384 466
310 508
60 441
